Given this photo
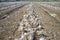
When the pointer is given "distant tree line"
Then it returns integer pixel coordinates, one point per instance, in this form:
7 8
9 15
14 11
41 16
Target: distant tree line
27 0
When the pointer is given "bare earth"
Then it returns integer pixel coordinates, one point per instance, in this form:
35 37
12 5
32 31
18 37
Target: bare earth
12 17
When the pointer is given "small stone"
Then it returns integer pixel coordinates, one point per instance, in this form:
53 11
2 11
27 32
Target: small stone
42 38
